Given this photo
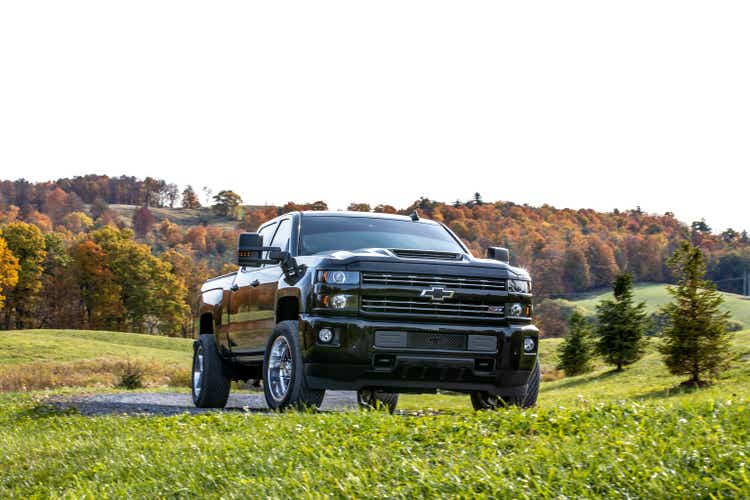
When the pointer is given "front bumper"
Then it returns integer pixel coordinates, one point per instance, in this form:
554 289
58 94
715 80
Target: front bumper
354 361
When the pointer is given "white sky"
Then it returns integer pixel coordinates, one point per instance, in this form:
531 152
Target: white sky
576 104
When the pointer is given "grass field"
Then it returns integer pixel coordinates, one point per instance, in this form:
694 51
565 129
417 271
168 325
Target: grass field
656 295
633 434
41 359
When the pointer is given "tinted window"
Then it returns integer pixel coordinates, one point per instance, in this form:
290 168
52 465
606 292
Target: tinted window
267 234
281 239
325 234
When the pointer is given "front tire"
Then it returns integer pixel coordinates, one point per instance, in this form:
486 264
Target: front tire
370 399
209 382
284 382
485 401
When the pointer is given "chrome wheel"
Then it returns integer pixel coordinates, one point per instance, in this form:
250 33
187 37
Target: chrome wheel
280 368
197 371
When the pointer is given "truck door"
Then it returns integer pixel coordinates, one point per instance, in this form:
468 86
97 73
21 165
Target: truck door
255 315
250 312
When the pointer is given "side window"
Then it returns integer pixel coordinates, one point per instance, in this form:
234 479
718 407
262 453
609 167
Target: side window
281 239
267 234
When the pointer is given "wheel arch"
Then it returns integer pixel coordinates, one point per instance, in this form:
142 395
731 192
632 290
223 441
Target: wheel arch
206 323
287 308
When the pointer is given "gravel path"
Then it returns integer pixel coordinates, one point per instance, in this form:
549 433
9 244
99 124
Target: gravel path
171 403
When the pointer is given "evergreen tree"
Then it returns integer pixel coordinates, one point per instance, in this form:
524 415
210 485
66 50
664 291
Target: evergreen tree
621 324
575 351
695 338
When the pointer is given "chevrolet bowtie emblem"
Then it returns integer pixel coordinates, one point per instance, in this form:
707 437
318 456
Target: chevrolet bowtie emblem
437 294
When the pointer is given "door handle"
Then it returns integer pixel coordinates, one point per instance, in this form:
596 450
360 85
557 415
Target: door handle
235 287
254 283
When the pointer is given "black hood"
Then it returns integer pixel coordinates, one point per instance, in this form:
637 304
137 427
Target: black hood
388 260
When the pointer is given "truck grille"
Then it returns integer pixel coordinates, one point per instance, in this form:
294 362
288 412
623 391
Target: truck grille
418 306
426 280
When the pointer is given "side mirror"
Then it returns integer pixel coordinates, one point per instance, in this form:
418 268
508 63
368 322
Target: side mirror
498 253
250 250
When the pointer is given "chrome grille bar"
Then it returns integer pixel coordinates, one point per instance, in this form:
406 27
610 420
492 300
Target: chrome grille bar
424 280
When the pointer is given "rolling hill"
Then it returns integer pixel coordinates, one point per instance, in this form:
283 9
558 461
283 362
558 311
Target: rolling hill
655 295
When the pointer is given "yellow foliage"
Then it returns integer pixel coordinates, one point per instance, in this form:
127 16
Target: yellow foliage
8 269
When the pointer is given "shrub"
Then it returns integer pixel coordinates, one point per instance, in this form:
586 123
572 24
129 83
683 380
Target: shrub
180 378
131 376
734 325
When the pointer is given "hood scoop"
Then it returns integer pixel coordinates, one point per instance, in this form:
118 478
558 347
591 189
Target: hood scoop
425 254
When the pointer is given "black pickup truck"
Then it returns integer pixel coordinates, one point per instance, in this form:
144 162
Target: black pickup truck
374 303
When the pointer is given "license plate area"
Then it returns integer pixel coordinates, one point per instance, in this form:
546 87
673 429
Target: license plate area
396 339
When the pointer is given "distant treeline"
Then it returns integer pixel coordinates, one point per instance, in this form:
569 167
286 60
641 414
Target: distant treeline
567 251
87 189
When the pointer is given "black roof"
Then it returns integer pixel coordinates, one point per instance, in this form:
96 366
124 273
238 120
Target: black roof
369 215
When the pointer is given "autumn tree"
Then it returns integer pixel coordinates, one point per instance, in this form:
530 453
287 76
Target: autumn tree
61 307
192 273
358 207
575 351
385 209
171 193
189 198
621 325
152 295
8 269
575 270
695 341
102 297
143 221
602 263
77 222
55 204
26 242
226 203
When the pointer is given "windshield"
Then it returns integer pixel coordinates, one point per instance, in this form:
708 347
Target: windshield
325 234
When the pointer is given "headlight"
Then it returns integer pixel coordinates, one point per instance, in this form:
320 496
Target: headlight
339 302
515 310
339 277
519 286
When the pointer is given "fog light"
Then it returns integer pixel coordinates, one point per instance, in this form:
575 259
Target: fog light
529 345
325 335
516 310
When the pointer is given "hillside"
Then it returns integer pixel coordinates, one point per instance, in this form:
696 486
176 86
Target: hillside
184 217
38 359
656 295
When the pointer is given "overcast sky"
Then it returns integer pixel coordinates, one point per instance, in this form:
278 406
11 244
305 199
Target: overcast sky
575 104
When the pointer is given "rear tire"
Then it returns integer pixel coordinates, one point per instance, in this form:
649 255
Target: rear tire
485 401
370 399
210 383
284 381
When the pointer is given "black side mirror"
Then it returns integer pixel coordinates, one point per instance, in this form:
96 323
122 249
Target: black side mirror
250 250
498 253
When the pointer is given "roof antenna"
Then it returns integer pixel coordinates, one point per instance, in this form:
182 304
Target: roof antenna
414 216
